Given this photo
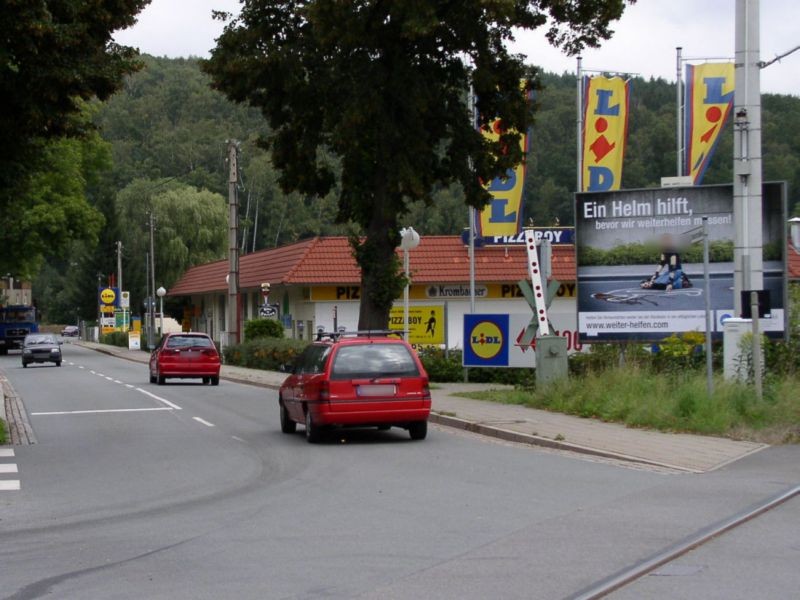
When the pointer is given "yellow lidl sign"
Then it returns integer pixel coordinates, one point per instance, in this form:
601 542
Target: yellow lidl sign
709 98
107 296
503 214
605 129
425 324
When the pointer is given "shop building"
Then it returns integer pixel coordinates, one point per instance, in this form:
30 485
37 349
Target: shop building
315 283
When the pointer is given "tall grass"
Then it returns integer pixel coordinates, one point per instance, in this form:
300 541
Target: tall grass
640 397
2 431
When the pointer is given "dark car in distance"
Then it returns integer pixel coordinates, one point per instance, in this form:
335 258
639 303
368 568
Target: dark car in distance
185 356
70 331
363 381
41 348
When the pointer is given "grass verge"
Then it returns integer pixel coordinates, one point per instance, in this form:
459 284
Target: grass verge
2 429
670 402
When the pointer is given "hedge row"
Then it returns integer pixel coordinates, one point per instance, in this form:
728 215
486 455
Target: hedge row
115 338
264 353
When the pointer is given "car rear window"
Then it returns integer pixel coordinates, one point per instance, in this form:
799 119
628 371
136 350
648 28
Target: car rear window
373 360
189 341
312 360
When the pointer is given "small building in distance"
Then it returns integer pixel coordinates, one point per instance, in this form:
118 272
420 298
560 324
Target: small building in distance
315 283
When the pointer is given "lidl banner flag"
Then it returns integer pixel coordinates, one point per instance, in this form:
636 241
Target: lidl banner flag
503 214
605 130
709 98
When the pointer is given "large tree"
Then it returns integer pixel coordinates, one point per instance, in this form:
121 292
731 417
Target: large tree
382 85
54 55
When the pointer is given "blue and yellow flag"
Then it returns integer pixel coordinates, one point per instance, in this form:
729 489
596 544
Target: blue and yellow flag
605 131
709 98
503 215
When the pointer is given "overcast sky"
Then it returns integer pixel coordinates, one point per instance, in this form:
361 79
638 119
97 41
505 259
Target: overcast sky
644 41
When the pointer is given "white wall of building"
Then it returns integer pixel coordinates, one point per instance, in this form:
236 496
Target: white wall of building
562 315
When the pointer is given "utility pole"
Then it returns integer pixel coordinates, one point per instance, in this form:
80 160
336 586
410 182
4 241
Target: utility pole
151 300
119 265
232 316
579 136
679 113
747 248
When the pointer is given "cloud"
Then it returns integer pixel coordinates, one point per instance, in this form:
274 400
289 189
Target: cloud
644 40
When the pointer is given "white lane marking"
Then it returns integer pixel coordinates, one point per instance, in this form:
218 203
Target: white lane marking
6 452
92 372
160 399
81 367
9 485
128 385
203 421
238 439
99 374
117 381
8 468
99 410
71 364
109 378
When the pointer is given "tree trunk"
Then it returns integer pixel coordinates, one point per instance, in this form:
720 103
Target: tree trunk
381 279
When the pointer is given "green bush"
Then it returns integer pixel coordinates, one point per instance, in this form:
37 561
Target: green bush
265 353
115 338
2 432
442 368
262 328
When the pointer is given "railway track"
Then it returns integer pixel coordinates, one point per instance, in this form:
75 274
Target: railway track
628 575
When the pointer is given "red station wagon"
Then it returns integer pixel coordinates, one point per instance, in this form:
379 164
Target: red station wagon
184 356
356 382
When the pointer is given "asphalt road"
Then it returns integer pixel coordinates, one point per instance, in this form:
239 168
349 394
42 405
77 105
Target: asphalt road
191 491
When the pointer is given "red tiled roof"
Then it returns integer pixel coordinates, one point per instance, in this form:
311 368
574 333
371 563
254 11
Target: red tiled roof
329 260
793 260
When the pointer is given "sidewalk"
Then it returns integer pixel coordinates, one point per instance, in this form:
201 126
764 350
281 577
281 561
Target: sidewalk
679 452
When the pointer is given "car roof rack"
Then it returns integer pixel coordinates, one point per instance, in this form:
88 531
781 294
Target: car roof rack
367 333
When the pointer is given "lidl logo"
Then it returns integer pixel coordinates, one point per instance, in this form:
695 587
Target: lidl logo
604 132
107 296
486 341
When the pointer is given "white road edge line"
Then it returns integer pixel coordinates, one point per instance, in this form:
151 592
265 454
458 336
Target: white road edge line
99 410
160 399
6 452
203 421
8 468
9 485
128 385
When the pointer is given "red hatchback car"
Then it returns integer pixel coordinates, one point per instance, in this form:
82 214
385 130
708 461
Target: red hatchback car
356 382
184 356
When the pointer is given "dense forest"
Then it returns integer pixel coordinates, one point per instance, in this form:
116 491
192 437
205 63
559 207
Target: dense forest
161 149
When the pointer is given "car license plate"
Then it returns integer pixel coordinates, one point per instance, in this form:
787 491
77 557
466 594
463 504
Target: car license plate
375 390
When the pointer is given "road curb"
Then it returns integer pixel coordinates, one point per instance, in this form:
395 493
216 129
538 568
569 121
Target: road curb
18 426
535 440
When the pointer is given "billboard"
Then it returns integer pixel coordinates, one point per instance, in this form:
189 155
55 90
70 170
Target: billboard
640 276
605 130
709 98
425 324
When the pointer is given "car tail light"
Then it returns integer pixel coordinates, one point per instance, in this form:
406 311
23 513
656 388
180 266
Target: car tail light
426 390
324 390
210 352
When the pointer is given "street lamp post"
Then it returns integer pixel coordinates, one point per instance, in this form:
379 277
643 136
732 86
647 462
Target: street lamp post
161 293
409 239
